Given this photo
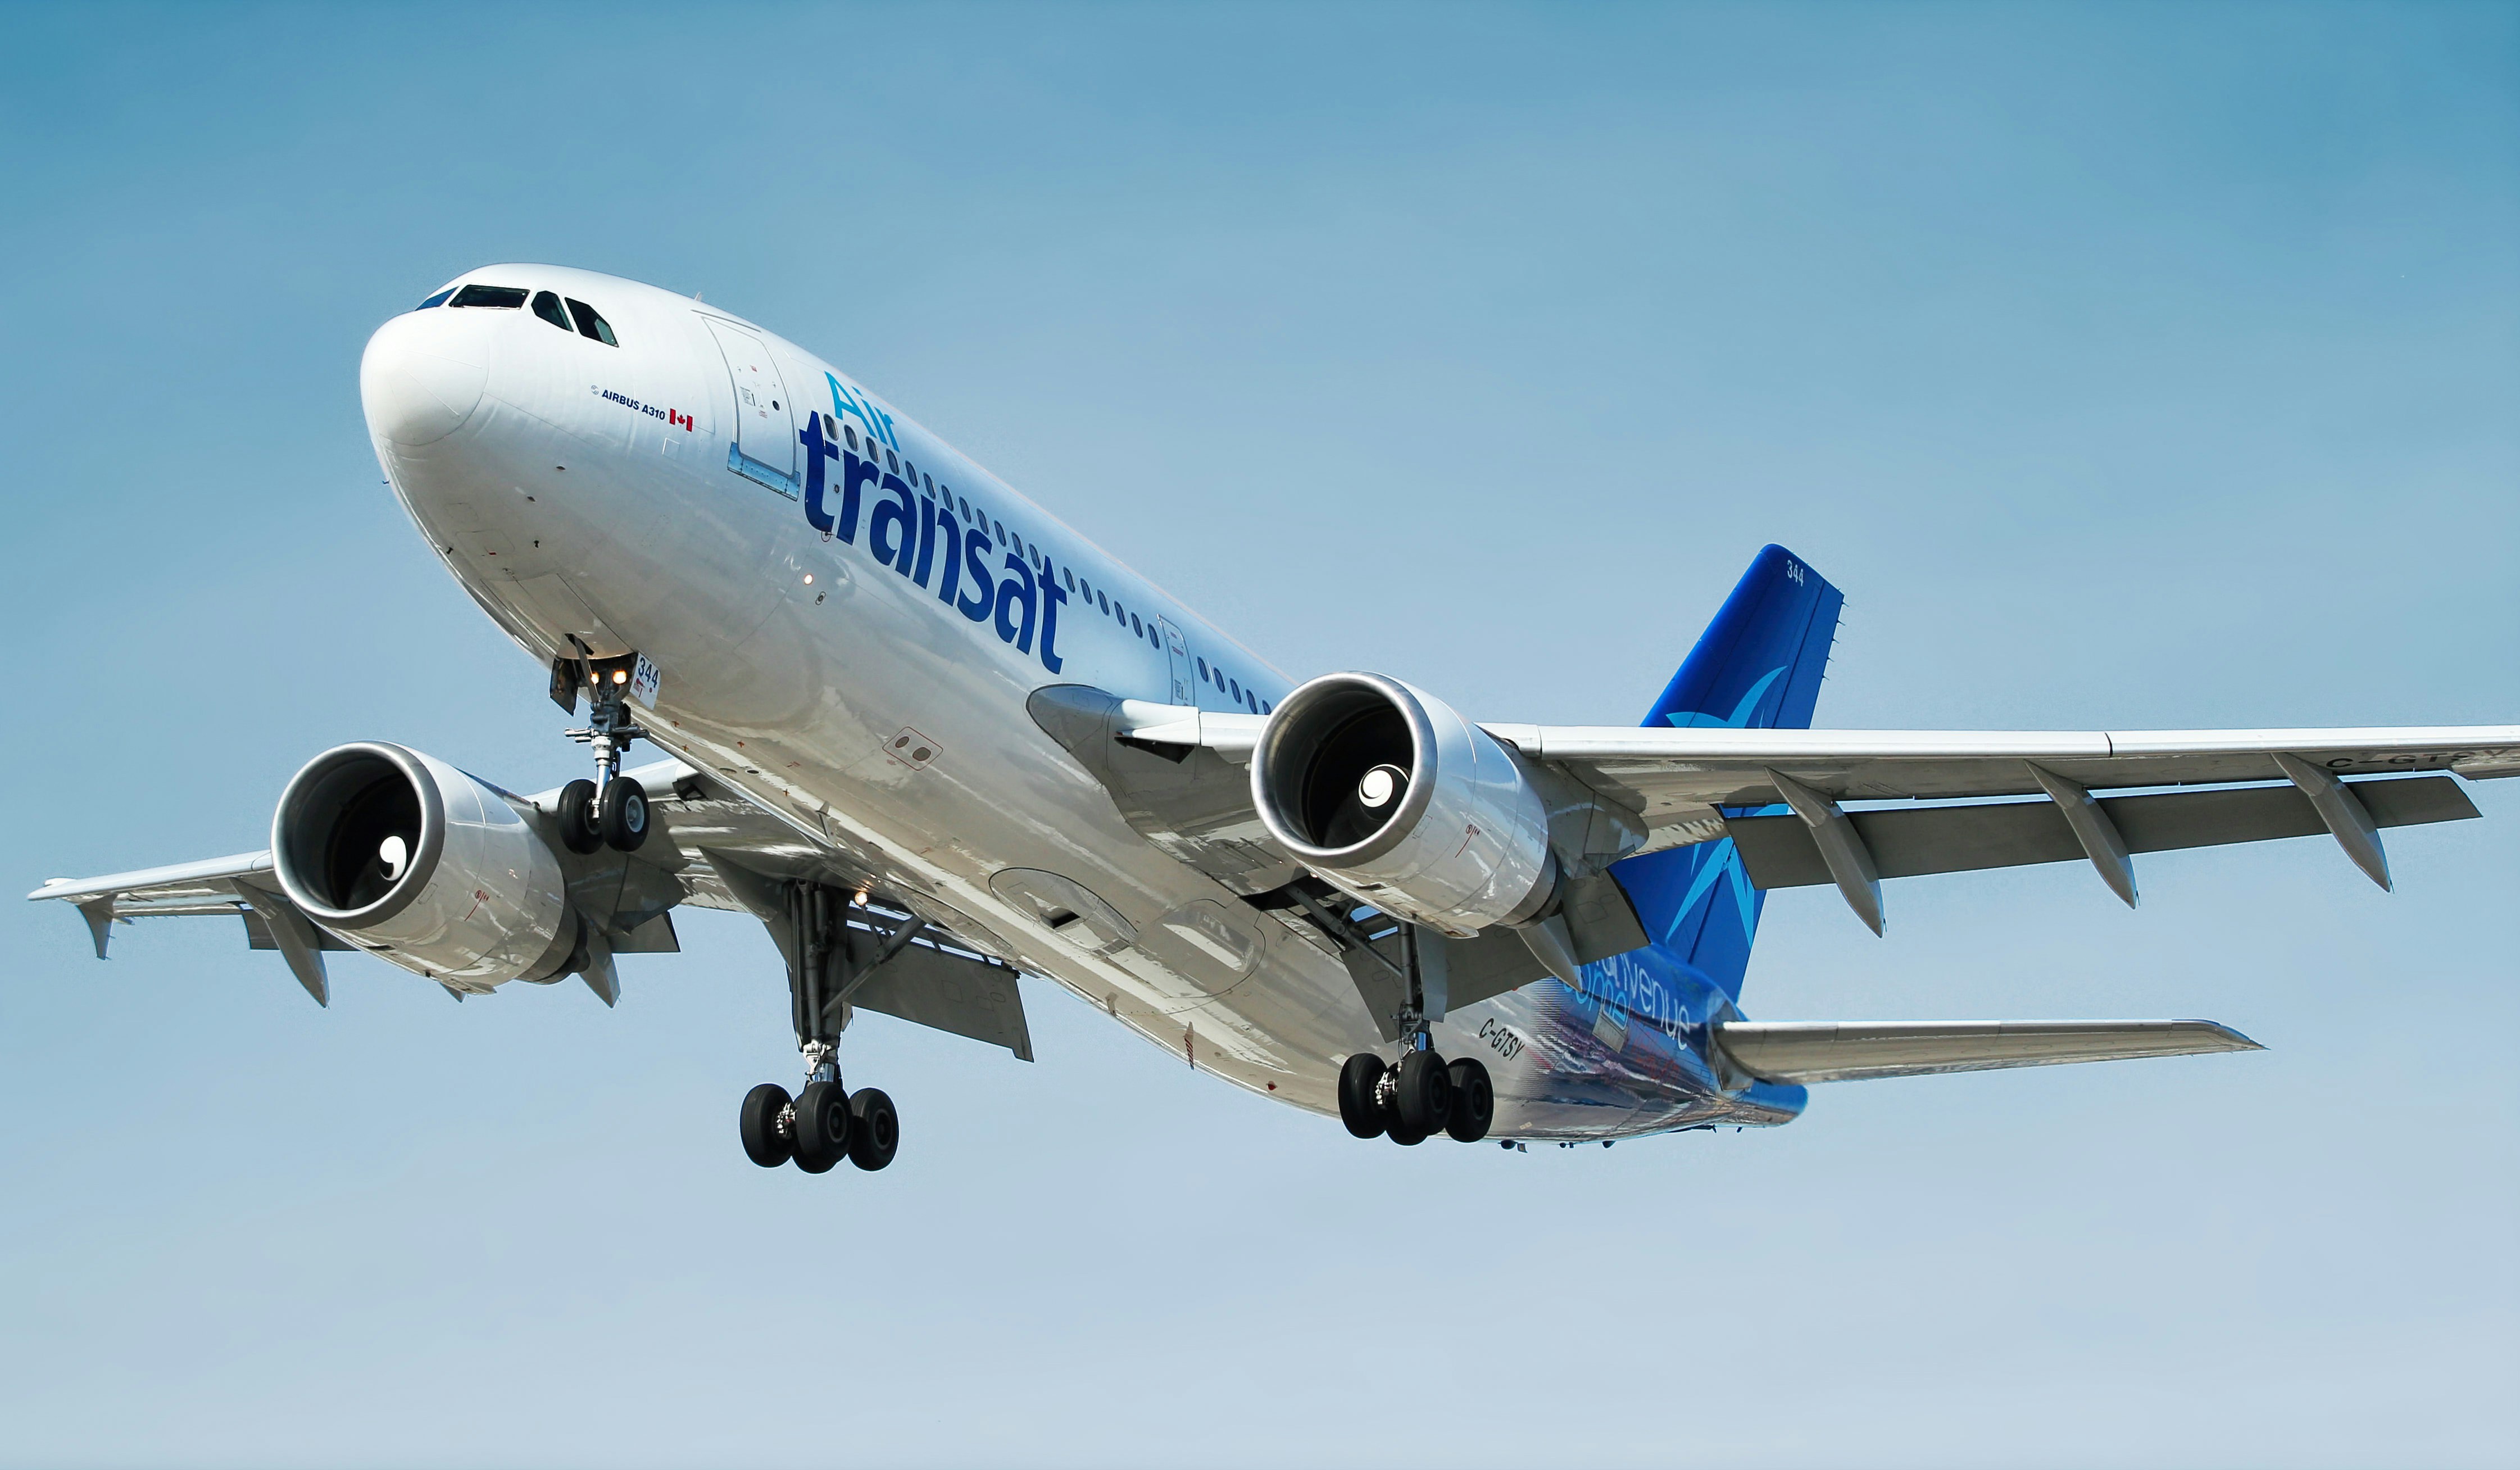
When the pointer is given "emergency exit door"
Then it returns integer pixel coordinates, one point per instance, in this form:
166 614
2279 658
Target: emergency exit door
763 446
1177 652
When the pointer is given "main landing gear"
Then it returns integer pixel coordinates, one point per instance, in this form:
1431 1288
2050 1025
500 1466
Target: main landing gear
823 1123
1421 1098
605 812
1421 1094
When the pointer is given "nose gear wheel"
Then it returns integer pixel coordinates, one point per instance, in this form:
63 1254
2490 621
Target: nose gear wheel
605 812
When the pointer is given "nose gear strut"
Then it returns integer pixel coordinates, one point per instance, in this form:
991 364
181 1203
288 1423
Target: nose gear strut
604 811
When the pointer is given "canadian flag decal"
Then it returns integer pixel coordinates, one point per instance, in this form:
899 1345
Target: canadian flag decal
679 419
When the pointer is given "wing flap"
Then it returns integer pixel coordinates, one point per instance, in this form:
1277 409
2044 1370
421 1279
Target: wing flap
1810 1051
1780 853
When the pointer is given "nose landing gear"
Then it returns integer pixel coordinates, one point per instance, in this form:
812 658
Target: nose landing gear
604 811
823 1123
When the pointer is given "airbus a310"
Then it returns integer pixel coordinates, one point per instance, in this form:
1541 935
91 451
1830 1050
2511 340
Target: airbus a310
934 738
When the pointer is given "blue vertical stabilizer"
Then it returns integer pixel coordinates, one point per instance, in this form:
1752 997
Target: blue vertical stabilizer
1757 667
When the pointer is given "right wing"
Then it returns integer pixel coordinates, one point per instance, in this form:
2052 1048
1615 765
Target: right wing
709 846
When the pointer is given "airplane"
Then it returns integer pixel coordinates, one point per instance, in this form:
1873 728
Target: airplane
933 739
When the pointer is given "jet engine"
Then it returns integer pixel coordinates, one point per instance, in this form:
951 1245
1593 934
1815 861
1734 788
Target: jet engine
413 860
1390 793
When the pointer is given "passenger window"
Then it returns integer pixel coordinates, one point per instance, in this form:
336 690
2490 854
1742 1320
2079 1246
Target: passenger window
591 323
1103 601
999 527
1202 668
1234 688
1134 623
1067 577
436 300
966 507
504 297
893 462
911 470
849 435
547 307
830 428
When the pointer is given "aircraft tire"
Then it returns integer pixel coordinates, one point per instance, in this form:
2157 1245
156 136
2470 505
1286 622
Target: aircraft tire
1401 1135
1473 1102
621 817
577 830
1423 1092
821 1125
1360 1079
763 1142
874 1129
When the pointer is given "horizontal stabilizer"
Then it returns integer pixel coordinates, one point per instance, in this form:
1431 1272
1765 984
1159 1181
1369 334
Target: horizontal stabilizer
1806 1052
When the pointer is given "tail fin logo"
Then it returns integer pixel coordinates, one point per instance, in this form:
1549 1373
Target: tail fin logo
1741 712
1711 870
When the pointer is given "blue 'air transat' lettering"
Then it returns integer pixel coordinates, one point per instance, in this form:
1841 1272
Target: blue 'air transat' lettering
878 423
917 537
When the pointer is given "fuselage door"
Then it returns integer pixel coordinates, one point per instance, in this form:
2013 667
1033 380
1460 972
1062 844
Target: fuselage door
763 447
1177 652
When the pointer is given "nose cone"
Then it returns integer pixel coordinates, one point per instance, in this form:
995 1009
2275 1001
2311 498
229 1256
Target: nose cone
423 375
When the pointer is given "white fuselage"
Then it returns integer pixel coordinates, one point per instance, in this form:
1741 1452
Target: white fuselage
583 491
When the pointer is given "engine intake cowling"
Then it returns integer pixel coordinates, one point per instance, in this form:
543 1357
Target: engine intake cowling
1393 795
414 861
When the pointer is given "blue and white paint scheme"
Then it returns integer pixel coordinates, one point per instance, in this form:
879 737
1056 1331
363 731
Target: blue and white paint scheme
880 672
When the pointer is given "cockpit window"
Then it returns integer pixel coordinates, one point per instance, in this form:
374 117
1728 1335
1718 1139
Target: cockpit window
436 300
505 297
547 307
591 323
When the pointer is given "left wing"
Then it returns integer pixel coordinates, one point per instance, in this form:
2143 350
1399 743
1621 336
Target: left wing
1685 786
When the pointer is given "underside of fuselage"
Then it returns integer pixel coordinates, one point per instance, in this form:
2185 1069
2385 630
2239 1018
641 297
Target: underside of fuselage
599 498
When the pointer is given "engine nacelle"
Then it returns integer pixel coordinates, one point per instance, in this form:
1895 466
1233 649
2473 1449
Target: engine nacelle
414 861
1390 793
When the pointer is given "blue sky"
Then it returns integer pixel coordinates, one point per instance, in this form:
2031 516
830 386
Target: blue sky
2133 365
